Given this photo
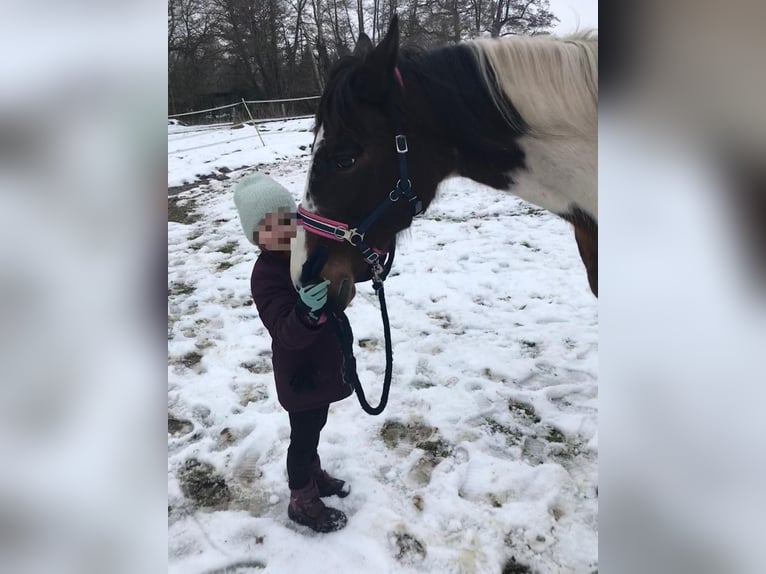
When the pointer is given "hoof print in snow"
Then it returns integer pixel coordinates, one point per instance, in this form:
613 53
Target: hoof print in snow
201 413
181 288
444 320
513 567
512 435
251 394
530 348
191 361
533 450
555 435
567 452
369 343
178 427
435 452
523 411
438 448
201 483
420 474
414 432
421 384
493 376
407 547
418 502
226 438
258 367
228 248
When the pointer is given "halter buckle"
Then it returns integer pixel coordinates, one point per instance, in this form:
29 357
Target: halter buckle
401 144
354 237
340 233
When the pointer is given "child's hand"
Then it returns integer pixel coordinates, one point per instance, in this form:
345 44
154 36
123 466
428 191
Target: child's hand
312 299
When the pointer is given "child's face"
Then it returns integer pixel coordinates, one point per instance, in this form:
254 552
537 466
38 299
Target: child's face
276 230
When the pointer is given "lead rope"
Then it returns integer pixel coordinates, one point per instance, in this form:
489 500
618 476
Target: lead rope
346 339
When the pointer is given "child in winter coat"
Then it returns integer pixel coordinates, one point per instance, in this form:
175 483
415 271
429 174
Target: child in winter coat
306 355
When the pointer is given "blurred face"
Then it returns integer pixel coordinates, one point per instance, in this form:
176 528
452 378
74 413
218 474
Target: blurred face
276 230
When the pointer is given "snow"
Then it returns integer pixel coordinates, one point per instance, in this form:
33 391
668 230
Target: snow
191 149
495 338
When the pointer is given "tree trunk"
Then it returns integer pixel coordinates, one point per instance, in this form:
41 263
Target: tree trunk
375 8
455 22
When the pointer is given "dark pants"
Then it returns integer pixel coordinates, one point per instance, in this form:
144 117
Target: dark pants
305 427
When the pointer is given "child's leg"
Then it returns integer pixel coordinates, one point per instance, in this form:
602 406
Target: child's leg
306 506
305 428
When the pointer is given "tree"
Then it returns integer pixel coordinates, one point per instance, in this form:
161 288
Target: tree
262 49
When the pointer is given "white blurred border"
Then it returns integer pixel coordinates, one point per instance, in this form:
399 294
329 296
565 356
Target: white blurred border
82 219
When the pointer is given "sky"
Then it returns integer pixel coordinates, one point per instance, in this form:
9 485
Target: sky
575 14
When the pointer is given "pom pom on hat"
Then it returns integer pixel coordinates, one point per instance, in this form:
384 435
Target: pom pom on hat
256 196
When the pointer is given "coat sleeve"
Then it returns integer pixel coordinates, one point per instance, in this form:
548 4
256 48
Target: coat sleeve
275 300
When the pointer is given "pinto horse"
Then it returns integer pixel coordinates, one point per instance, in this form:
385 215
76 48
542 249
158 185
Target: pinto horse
518 114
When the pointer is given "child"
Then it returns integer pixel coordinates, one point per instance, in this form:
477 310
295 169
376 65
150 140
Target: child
306 354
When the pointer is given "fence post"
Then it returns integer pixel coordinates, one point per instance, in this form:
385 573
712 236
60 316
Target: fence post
244 103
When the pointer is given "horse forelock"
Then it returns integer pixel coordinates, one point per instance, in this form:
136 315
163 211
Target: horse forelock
338 107
551 81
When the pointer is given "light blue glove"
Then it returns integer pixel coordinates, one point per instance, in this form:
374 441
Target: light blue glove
312 299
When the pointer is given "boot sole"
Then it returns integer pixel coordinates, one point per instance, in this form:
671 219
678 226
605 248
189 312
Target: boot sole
298 519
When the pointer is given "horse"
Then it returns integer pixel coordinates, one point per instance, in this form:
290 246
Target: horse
518 114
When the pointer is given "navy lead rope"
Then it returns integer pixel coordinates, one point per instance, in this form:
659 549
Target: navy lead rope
346 339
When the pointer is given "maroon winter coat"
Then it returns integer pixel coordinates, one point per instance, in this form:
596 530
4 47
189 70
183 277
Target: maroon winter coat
307 360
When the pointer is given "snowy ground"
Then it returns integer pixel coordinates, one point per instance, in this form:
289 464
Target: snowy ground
485 460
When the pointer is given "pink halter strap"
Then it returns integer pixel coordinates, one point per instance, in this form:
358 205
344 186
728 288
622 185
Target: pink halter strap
398 76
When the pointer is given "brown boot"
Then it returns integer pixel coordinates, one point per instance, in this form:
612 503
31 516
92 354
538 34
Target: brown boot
327 484
307 509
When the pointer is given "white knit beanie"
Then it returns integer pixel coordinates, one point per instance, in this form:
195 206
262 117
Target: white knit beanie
256 196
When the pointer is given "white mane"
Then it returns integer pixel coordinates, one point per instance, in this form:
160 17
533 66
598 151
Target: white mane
552 82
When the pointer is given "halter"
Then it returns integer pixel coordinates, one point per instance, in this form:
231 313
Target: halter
339 231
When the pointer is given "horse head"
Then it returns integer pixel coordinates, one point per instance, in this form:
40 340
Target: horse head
356 167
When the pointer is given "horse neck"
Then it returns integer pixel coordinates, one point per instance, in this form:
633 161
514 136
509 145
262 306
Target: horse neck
459 130
432 156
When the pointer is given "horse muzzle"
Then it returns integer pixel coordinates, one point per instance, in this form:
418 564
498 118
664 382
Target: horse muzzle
345 293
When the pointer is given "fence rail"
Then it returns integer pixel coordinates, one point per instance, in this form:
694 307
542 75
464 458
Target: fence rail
253 110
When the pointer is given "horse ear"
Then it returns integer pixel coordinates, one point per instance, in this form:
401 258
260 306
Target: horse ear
363 46
377 72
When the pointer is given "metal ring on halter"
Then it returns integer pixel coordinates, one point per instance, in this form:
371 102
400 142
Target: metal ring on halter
394 195
401 144
352 234
399 185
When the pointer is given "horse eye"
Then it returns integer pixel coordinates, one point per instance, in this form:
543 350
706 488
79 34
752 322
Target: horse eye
345 161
